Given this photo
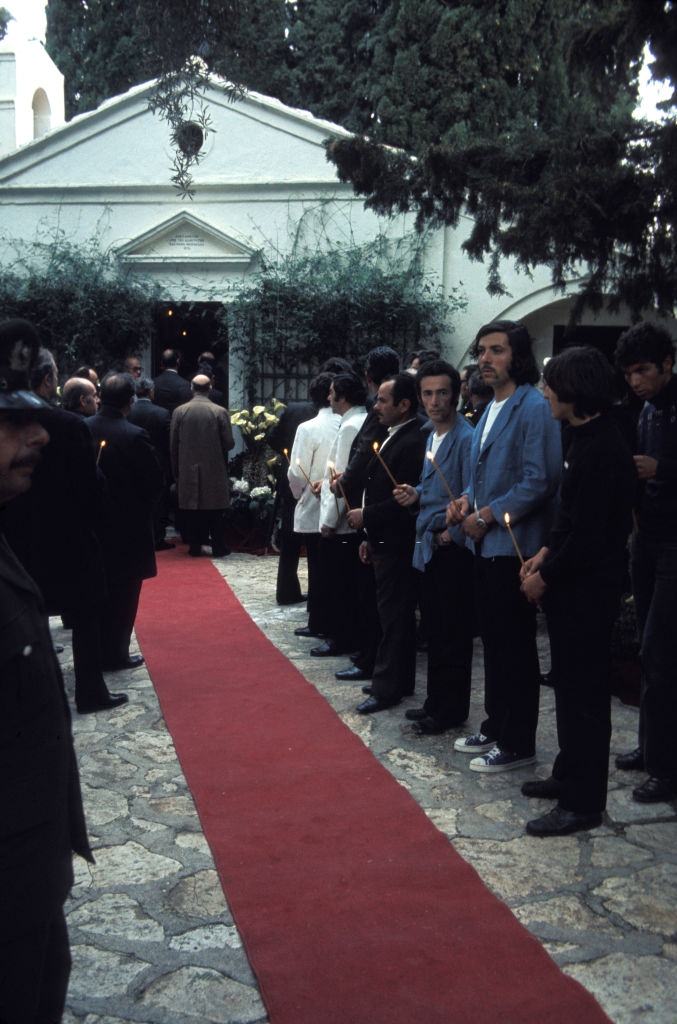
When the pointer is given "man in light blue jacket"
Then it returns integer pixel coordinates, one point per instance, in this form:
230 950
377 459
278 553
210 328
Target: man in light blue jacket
515 467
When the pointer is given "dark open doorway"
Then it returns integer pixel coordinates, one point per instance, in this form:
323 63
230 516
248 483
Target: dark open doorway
193 328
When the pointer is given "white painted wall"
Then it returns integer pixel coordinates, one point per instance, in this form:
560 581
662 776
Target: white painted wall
26 68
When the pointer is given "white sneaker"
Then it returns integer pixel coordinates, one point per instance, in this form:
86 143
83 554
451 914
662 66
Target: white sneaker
475 744
498 760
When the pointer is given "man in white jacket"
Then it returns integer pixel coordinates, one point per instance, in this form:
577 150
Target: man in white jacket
308 461
338 558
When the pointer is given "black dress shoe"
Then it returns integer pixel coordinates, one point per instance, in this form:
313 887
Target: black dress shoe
372 705
58 648
547 789
220 552
327 650
352 675
307 632
301 599
429 726
416 714
114 700
367 690
164 545
655 791
559 822
133 661
633 761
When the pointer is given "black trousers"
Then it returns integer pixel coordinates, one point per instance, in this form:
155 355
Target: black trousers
394 674
580 620
447 603
511 673
90 686
369 620
316 621
117 615
205 526
34 972
339 567
654 584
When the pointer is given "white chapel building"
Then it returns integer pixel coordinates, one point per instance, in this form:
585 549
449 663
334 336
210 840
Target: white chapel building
263 185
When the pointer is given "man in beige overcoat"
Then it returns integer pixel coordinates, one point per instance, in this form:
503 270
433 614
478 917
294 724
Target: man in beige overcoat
200 440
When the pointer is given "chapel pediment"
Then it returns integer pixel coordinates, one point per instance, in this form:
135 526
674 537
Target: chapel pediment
186 239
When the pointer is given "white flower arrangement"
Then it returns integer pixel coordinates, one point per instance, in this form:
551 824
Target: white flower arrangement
240 486
260 492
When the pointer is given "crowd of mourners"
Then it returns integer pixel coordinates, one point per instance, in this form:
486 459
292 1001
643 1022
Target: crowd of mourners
478 498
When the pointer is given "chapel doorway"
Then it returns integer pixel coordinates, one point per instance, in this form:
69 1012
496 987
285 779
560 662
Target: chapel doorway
192 327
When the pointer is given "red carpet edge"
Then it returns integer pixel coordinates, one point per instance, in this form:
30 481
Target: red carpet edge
353 908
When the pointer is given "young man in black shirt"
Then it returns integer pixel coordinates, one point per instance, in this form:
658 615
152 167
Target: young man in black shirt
578 579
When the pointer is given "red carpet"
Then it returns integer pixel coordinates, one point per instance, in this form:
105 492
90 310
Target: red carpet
352 907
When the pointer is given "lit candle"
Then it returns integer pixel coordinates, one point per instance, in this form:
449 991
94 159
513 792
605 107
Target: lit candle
310 482
380 459
285 452
431 458
334 475
102 445
506 519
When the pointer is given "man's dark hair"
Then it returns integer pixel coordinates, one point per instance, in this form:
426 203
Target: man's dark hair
206 368
76 390
428 354
382 362
319 389
469 369
336 364
523 368
84 372
143 387
207 357
350 387
644 343
117 390
409 358
42 367
581 375
404 386
440 368
479 388
169 359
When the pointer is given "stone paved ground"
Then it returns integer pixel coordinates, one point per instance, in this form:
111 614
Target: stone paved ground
153 939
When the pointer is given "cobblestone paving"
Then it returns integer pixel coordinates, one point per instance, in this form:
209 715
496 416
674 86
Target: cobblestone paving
153 939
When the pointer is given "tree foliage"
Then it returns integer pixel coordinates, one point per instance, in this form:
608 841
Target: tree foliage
303 307
85 306
519 112
5 18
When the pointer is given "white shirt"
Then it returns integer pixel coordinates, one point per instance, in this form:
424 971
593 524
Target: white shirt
332 507
312 443
492 415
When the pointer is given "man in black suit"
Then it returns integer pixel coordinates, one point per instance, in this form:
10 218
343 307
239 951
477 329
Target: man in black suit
390 531
42 820
156 422
133 483
60 550
171 389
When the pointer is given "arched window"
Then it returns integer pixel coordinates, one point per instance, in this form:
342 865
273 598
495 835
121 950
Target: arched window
42 114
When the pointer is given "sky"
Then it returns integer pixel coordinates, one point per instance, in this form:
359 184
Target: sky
29 18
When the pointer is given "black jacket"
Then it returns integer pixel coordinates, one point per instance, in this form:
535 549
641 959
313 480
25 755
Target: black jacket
133 483
155 421
171 390
361 453
52 527
42 820
386 522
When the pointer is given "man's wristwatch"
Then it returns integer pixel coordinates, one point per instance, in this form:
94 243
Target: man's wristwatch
482 522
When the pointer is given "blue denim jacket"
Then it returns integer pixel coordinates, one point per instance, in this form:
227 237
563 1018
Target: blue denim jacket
517 471
453 458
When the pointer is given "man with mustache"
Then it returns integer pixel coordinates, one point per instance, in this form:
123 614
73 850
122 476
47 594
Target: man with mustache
515 468
42 821
646 355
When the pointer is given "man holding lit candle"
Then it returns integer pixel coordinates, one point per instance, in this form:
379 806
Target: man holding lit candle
390 532
578 579
515 467
440 553
646 355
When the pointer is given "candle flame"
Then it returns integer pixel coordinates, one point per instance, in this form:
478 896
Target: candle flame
331 465
429 455
298 462
102 444
375 446
506 519
285 451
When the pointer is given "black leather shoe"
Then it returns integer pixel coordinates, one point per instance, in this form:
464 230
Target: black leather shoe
559 822
58 648
367 690
352 675
633 761
164 545
327 650
220 552
546 789
305 631
133 661
416 714
655 791
429 726
114 700
372 704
